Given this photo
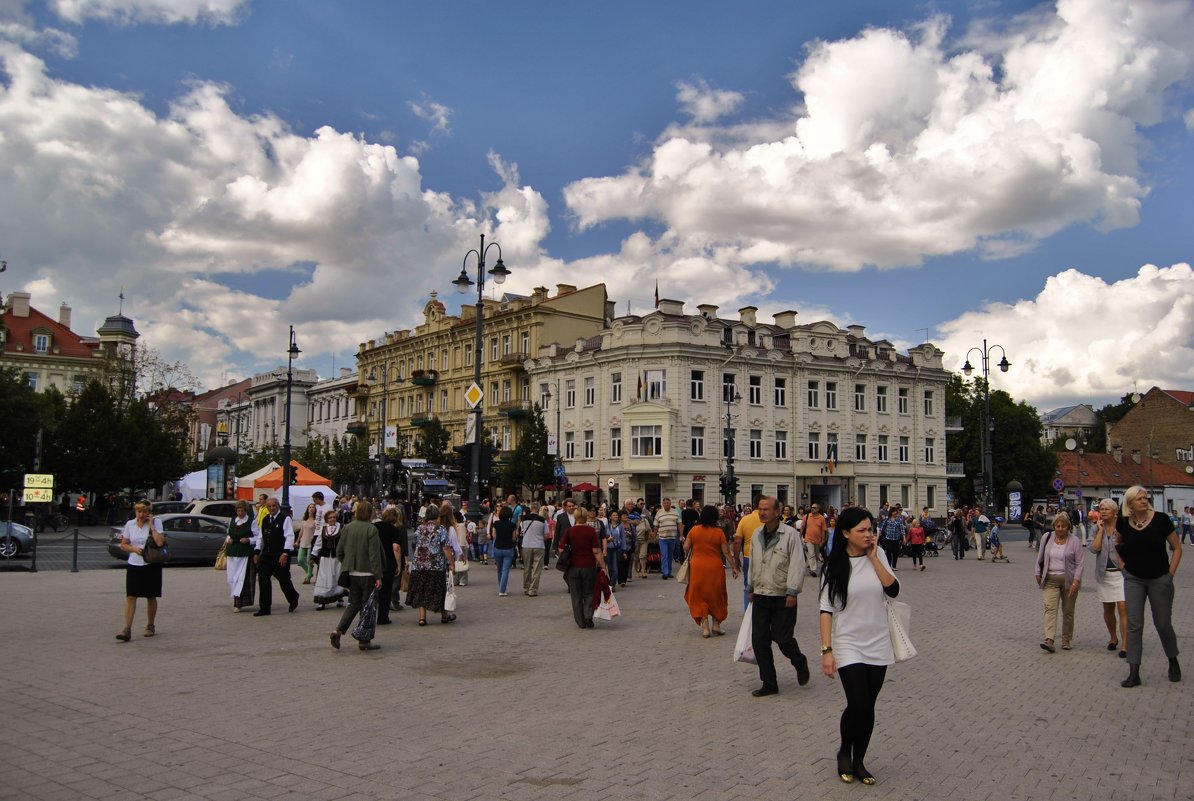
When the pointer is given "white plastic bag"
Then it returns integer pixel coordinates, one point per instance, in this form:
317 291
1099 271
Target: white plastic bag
607 609
899 623
450 597
743 650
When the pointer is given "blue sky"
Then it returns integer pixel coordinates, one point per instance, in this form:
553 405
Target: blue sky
998 169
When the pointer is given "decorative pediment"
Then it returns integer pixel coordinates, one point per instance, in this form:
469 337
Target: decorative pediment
814 425
755 422
853 362
884 429
571 357
776 356
615 420
653 327
804 358
833 426
749 353
699 419
863 428
905 429
900 367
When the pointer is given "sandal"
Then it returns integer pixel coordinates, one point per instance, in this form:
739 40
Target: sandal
125 635
150 630
422 622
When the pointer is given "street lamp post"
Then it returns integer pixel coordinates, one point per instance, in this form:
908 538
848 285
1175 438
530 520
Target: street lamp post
381 440
558 454
1072 444
291 352
988 457
730 396
462 284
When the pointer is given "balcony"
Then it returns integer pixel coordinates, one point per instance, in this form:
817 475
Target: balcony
424 378
514 408
953 424
358 391
515 359
357 428
955 470
421 419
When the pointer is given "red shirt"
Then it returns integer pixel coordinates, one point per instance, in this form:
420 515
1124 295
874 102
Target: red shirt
583 540
916 535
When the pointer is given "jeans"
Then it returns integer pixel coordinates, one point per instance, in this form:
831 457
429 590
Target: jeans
667 547
772 620
532 569
1055 593
1159 592
480 550
611 565
581 581
745 581
504 558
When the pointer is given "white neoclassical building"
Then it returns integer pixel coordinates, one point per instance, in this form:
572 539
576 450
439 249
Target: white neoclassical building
817 413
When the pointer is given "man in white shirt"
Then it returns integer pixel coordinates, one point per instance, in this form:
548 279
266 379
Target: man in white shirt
667 533
273 543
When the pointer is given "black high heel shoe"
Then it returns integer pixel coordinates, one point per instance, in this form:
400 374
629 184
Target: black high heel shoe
863 774
844 771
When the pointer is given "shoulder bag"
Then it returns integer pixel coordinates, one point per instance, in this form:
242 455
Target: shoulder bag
564 562
899 623
152 553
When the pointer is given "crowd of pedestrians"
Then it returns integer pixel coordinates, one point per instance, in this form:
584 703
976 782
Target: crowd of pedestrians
371 559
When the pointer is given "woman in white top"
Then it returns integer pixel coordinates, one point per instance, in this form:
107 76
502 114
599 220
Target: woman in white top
855 643
141 580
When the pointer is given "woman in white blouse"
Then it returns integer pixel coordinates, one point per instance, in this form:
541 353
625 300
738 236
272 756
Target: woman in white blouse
855 643
141 580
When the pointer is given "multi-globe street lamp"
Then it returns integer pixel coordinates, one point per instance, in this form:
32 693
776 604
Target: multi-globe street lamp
988 459
462 284
291 352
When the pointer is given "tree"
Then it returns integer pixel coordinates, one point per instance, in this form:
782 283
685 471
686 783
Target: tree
432 444
531 466
25 412
1107 416
316 455
350 461
1015 441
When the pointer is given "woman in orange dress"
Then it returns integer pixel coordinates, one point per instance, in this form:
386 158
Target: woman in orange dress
706 595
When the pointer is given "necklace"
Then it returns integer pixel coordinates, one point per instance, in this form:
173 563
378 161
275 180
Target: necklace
1138 524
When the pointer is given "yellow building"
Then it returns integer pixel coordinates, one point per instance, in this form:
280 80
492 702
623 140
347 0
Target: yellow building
414 377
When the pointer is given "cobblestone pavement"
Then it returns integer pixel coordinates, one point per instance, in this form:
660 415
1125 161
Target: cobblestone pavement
512 701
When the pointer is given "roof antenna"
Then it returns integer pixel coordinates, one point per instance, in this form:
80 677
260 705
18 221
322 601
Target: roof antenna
121 296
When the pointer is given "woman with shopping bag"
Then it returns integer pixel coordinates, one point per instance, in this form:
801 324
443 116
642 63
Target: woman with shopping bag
856 642
359 554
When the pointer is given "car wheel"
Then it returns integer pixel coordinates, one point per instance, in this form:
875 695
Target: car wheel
9 548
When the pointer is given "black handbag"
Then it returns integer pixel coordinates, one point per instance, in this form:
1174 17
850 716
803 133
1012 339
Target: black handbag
564 561
344 580
152 553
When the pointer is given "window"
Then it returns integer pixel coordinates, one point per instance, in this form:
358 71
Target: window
525 394
930 448
570 394
419 409
655 384
506 391
696 386
505 438
401 407
77 384
831 446
590 391
860 447
754 390
505 344
544 396
814 394
860 397
756 443
882 494
902 400
589 445
904 450
615 443
905 495
443 400
615 388
493 349
494 393
698 441
881 400
928 403
781 392
781 493
830 394
814 447
430 361
444 358
569 445
525 347
931 496
729 392
420 361
781 444
862 495
882 448
468 355
41 343
646 440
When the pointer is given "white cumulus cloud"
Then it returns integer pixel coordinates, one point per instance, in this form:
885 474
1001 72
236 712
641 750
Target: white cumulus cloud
155 12
902 145
1083 340
704 103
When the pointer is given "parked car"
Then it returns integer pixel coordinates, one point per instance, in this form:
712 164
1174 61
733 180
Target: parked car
224 510
15 542
169 507
190 538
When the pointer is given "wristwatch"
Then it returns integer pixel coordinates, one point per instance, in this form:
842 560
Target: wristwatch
826 649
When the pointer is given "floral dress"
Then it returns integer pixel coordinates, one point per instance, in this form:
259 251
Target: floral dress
428 568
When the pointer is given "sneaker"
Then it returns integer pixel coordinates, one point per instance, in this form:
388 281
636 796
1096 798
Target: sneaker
503 594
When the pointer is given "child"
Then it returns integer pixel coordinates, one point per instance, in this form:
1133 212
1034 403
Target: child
996 546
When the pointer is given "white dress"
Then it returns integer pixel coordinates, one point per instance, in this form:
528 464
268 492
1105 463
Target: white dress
860 630
327 591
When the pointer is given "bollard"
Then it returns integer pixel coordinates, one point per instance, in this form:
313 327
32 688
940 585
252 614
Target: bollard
33 564
74 561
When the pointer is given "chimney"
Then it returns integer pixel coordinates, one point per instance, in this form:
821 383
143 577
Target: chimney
668 306
747 315
1119 455
539 294
856 330
1136 455
709 310
18 302
786 319
564 289
64 315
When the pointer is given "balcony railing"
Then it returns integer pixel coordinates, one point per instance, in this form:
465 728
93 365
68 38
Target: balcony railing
420 419
514 408
514 358
953 424
424 378
955 470
357 429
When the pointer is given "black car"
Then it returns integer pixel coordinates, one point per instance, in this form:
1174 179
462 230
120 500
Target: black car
194 539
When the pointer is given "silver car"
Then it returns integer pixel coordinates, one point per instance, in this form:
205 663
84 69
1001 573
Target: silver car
15 541
194 539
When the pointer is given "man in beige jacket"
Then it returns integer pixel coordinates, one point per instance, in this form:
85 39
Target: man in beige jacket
777 571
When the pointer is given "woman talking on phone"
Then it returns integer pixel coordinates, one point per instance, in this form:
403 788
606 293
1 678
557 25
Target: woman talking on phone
855 643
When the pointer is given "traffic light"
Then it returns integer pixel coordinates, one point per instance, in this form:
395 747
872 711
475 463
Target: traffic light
721 486
293 475
734 486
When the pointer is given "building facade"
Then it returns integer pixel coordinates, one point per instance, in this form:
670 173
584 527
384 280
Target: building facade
262 413
330 405
653 406
1161 424
1090 477
1069 421
411 377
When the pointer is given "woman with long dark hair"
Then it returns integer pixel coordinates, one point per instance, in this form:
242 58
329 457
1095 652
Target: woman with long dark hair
855 643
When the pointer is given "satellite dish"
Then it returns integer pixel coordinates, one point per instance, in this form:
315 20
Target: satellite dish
1071 443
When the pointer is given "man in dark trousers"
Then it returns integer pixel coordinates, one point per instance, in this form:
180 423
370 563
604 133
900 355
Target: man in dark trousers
565 519
776 577
273 543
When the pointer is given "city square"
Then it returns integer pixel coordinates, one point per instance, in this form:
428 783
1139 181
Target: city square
511 701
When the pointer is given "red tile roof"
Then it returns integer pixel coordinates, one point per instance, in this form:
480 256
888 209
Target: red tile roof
1181 396
1101 470
69 344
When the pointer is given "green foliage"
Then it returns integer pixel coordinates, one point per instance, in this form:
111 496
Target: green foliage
350 461
316 455
432 443
254 459
1108 415
1015 441
531 466
24 412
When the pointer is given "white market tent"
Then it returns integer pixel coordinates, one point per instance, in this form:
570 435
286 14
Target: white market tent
193 485
245 485
300 496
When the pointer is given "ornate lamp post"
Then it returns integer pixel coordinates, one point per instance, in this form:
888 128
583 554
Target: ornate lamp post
988 458
381 426
462 284
291 352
